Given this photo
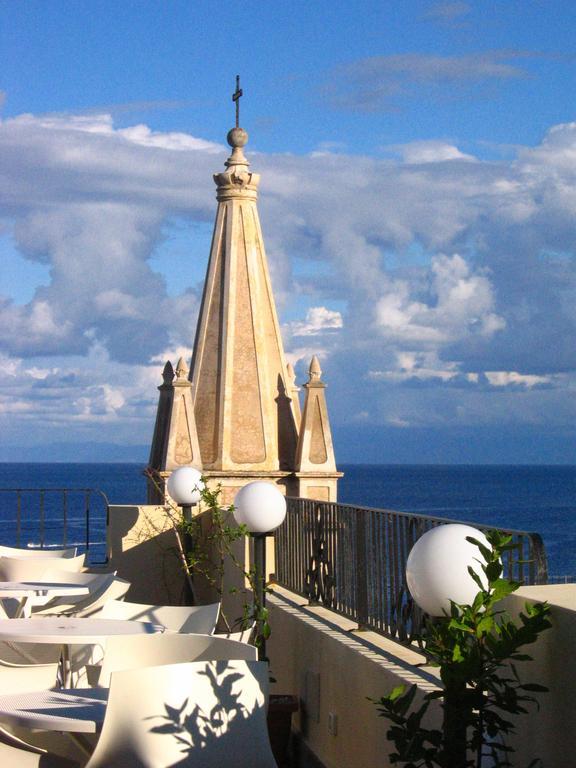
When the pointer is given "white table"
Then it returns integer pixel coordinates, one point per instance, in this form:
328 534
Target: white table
67 631
77 710
31 593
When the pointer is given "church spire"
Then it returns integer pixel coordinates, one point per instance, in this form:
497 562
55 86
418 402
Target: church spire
242 403
237 415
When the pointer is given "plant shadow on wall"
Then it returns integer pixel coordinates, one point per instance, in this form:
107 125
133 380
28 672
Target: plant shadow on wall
476 648
194 726
208 546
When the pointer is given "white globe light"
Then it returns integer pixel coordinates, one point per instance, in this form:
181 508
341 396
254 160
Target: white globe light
437 568
185 485
260 506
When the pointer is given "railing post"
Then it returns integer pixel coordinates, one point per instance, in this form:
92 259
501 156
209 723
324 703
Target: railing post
18 518
87 513
42 521
361 570
65 516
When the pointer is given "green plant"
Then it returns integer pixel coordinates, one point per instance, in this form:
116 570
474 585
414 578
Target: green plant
205 544
476 648
213 547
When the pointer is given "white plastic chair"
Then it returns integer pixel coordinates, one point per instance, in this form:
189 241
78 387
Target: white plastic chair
198 715
24 679
197 619
13 654
13 757
102 587
35 568
37 553
177 618
138 651
241 636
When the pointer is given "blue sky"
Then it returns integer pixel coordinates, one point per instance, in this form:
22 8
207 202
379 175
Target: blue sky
418 202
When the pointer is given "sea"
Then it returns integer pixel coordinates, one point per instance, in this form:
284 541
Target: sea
528 498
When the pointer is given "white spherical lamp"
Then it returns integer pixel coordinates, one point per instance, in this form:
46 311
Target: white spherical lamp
437 568
260 506
185 486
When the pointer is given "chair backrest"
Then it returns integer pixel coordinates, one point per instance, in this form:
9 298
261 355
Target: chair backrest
35 568
36 553
101 586
209 714
133 652
13 757
28 678
242 635
197 619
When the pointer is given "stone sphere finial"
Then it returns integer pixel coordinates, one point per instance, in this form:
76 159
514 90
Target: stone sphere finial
237 138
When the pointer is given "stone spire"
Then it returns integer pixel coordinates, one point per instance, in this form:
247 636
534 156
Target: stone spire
237 416
315 461
175 441
247 423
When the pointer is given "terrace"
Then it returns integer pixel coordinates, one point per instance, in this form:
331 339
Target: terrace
343 623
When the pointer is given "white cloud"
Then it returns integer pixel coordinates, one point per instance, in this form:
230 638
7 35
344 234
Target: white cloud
382 82
487 305
461 304
430 152
318 320
513 378
452 14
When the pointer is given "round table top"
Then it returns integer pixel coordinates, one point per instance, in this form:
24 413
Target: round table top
40 588
79 710
65 630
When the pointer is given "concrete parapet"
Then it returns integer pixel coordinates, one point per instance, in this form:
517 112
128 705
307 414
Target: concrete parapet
548 732
316 655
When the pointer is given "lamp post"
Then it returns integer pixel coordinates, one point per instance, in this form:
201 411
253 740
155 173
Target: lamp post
437 573
185 487
261 507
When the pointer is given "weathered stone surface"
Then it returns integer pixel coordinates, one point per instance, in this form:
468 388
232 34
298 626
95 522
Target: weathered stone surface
239 419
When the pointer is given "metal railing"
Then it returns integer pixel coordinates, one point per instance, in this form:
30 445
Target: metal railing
353 561
46 518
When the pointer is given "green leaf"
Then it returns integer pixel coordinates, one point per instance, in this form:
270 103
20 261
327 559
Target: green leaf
503 587
476 578
484 550
494 570
396 692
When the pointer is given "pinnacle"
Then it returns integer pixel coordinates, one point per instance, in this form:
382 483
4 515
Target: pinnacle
315 371
181 369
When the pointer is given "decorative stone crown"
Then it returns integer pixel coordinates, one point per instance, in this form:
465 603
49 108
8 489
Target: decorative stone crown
237 181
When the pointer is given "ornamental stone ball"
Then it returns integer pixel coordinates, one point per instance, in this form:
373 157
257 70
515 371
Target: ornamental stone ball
237 137
185 485
437 568
260 506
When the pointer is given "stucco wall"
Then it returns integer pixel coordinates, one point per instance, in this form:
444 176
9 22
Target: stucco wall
316 655
550 732
142 549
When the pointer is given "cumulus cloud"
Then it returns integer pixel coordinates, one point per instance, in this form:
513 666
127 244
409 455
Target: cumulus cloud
461 304
432 151
318 320
448 272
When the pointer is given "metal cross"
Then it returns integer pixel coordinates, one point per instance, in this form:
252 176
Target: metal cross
236 97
